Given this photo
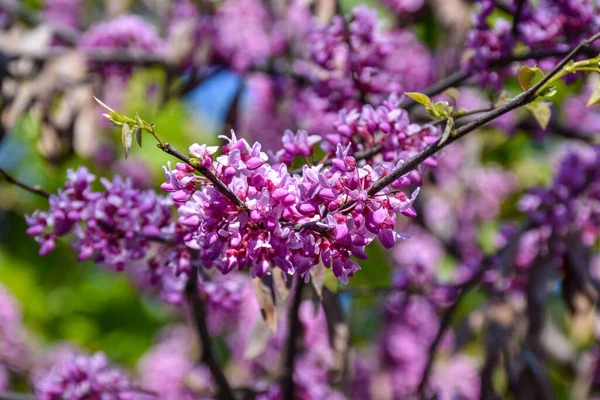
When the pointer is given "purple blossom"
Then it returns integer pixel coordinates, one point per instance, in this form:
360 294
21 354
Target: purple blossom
299 144
405 6
264 235
569 206
346 69
64 12
549 24
84 377
246 34
118 227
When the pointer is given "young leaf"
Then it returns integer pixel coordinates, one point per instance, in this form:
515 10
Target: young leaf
419 98
103 105
525 76
452 93
259 337
138 136
447 132
266 303
595 98
541 112
439 110
126 139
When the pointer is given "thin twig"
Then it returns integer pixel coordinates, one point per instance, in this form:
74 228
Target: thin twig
207 173
31 189
294 332
208 356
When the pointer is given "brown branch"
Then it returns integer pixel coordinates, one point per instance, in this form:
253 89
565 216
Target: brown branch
504 256
31 189
208 356
294 332
519 11
17 9
99 55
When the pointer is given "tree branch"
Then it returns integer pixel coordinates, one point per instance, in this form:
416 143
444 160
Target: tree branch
208 356
520 100
31 189
519 11
18 10
294 331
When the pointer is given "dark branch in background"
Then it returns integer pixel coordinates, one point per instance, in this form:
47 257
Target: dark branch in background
519 11
208 356
219 185
504 256
100 55
31 189
17 9
294 333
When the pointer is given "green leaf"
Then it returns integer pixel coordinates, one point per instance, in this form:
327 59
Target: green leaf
525 76
550 91
595 97
419 98
439 110
541 112
126 139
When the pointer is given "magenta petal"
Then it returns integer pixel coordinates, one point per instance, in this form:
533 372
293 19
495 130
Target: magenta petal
181 196
254 163
387 238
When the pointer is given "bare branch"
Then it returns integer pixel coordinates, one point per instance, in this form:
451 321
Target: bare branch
208 356
294 332
31 189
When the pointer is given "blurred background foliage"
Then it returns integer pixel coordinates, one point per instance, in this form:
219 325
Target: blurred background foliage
65 300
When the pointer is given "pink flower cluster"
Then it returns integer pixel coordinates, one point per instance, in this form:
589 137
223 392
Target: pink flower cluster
386 125
116 226
289 221
81 377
